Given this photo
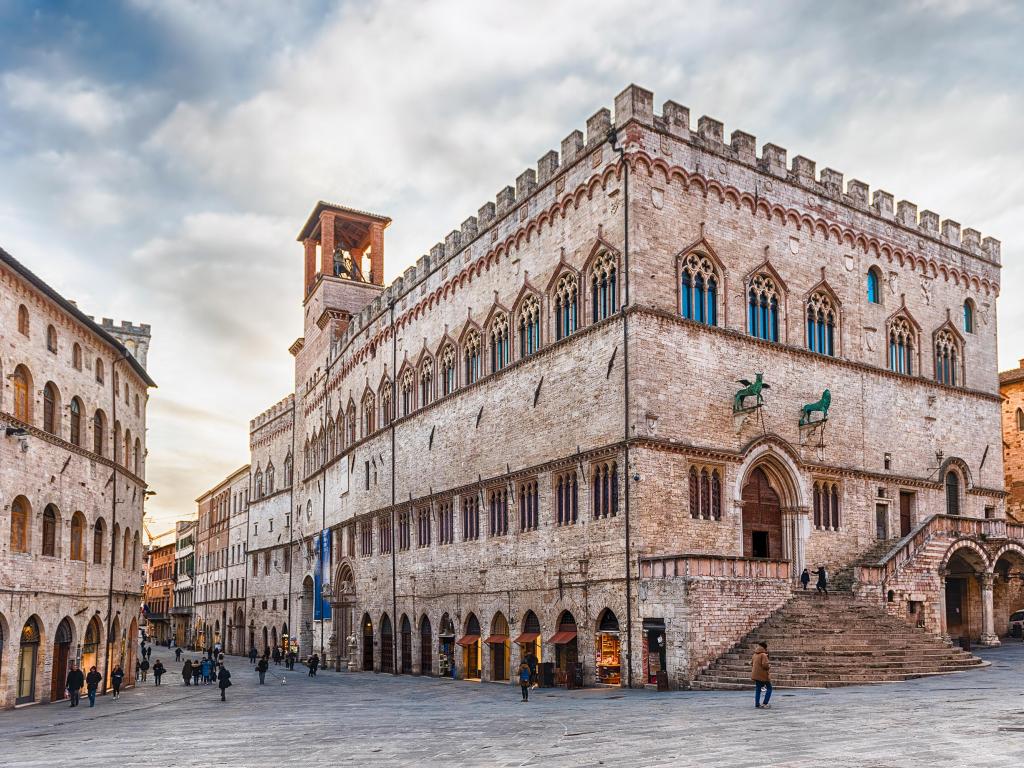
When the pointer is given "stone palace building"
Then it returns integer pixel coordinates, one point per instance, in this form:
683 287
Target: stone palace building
73 395
612 417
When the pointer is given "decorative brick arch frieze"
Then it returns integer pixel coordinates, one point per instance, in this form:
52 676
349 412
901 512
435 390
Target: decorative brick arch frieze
966 544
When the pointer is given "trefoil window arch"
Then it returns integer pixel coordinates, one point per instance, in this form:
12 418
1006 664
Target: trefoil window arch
448 370
472 357
698 289
426 382
763 308
901 346
407 390
947 358
705 487
529 327
566 306
604 296
499 342
821 324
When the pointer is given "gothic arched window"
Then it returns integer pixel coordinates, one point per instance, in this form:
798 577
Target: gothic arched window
448 370
698 289
386 409
22 394
499 342
705 487
901 346
763 308
51 413
407 391
969 316
566 306
529 327
368 420
471 354
604 296
426 382
947 358
821 324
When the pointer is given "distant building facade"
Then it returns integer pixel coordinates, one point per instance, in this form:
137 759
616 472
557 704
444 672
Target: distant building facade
158 595
183 608
73 403
220 549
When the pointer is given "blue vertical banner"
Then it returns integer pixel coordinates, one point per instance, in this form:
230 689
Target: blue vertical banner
321 607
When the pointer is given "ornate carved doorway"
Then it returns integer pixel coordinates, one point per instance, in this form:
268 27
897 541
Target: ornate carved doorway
762 518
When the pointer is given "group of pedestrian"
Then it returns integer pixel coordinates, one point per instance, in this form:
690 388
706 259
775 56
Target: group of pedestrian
821 587
211 669
313 662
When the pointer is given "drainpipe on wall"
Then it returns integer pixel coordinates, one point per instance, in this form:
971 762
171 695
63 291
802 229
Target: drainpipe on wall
394 404
613 140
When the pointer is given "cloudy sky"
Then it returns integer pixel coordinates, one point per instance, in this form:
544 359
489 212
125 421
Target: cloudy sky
158 157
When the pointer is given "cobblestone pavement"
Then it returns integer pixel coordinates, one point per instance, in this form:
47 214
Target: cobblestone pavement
967 719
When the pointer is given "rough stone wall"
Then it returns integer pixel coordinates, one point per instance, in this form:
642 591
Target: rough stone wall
46 469
704 617
1011 388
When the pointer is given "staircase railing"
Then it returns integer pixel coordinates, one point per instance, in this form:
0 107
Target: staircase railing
697 565
907 548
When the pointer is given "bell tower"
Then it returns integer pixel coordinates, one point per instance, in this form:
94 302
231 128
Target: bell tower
343 273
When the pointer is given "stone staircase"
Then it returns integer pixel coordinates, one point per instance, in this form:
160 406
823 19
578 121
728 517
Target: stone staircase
842 581
819 643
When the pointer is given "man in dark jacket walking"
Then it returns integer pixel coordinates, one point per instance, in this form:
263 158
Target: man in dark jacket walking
223 681
277 656
177 653
261 667
116 679
144 669
252 655
74 684
92 682
822 586
197 672
158 671
314 662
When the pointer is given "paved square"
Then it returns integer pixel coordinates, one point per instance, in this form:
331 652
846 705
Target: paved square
967 719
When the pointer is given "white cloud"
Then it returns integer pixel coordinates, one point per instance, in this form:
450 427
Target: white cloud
77 102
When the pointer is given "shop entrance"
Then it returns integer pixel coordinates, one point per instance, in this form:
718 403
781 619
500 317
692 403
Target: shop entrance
529 644
498 642
608 649
387 645
566 652
426 641
90 648
406 645
367 625
61 654
470 643
28 656
654 648
762 518
446 651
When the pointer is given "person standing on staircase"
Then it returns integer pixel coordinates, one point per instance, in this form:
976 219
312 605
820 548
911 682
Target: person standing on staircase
822 586
805 578
761 675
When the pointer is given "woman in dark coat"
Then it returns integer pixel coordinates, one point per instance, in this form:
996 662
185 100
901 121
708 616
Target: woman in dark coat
116 678
261 667
186 672
223 681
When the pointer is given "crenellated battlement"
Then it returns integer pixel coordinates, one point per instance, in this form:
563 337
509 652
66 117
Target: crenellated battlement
281 406
636 105
135 338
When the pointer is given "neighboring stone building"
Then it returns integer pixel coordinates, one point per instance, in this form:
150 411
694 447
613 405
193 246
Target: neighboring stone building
158 595
220 550
183 607
533 439
72 485
271 435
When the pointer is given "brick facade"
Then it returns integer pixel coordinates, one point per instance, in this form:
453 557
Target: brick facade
72 485
542 414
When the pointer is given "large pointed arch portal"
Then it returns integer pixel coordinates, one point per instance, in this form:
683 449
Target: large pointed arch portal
774 519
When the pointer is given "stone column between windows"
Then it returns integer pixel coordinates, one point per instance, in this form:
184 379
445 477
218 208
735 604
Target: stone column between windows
377 254
327 243
988 631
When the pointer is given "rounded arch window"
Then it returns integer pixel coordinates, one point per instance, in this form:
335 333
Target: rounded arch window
952 493
968 316
874 285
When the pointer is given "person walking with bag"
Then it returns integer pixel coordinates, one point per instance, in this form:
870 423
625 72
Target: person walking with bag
116 679
74 683
144 668
223 681
524 680
92 682
760 673
261 667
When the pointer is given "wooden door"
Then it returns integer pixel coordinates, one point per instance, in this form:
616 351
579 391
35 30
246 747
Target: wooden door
905 497
762 518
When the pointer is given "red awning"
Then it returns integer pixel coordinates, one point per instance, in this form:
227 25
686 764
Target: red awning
527 637
497 639
467 640
562 637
